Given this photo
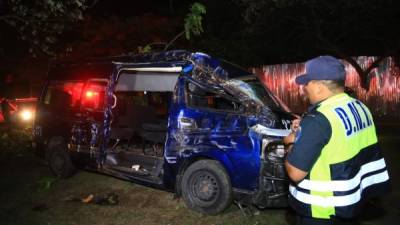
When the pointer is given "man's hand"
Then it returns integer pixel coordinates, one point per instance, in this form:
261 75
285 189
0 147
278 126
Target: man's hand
295 125
289 139
294 173
288 142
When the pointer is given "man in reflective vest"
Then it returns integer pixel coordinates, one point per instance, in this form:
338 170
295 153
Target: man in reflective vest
335 162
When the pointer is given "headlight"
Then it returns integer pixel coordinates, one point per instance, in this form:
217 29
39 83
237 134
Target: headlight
271 148
273 165
26 115
277 149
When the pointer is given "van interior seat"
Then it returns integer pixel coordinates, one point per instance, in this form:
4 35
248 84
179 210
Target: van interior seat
128 119
144 116
155 132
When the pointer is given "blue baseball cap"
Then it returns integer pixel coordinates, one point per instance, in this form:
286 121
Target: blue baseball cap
322 68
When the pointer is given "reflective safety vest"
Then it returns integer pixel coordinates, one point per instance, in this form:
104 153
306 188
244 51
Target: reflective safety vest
350 167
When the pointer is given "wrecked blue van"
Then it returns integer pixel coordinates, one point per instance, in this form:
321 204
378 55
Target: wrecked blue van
185 122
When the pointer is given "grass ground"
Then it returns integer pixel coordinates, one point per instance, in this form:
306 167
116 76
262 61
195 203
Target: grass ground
29 194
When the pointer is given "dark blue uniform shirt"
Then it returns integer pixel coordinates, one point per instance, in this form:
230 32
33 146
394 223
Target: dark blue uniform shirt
314 133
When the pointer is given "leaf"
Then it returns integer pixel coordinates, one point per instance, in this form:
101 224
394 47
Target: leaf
146 49
198 8
193 20
45 183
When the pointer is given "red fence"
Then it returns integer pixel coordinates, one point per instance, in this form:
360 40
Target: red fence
383 98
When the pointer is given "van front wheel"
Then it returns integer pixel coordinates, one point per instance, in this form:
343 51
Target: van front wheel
206 187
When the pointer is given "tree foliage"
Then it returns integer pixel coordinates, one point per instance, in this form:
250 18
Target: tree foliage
193 20
97 37
192 26
306 28
40 22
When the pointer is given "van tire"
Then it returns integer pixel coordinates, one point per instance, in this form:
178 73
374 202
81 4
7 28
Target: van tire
206 187
60 161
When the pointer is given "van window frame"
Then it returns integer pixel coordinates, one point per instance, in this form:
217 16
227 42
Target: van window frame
50 85
168 71
209 109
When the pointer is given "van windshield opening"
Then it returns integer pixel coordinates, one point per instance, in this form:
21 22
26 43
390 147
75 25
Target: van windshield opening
252 89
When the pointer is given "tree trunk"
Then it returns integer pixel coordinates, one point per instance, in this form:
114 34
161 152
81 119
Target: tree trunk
364 74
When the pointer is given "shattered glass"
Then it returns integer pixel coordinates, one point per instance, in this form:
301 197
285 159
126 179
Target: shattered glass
251 93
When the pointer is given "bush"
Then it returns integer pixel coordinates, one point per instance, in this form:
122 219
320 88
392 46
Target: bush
14 142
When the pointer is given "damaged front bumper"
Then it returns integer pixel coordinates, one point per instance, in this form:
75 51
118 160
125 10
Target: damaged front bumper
273 181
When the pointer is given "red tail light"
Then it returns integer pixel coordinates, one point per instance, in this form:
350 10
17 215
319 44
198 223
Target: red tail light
93 96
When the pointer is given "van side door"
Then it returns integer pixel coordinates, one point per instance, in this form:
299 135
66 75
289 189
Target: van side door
212 125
